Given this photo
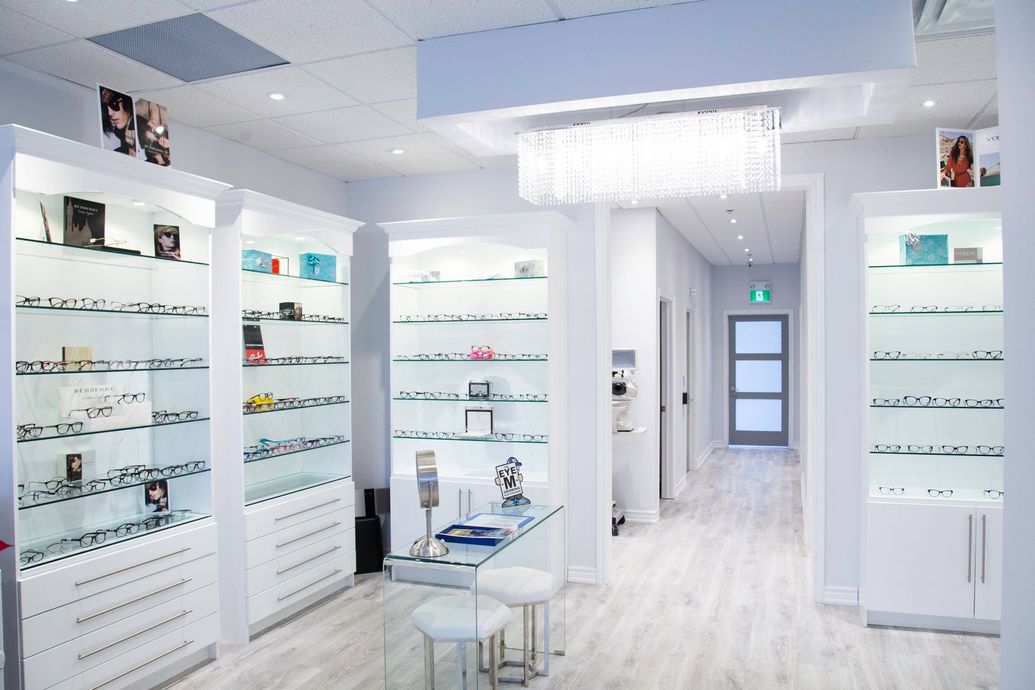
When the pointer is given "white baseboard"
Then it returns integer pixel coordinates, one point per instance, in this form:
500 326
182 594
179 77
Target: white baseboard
841 596
795 446
643 516
908 620
681 484
581 575
707 451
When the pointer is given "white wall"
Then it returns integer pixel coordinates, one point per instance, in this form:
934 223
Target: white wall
58 107
473 193
1015 23
729 292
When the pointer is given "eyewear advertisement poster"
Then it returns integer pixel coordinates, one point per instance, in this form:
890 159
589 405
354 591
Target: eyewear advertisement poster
968 158
138 130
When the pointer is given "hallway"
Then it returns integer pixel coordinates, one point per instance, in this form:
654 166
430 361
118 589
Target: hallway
715 595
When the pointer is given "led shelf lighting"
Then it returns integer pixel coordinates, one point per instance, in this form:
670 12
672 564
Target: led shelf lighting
686 154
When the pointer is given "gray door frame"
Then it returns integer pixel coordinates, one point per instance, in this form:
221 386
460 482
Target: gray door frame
759 438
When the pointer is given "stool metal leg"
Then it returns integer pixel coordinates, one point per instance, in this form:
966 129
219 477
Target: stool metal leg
461 665
494 666
546 638
535 636
527 659
503 644
429 663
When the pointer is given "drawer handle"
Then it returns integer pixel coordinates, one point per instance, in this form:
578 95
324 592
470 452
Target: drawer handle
305 510
306 536
308 560
311 584
133 601
143 664
131 636
80 583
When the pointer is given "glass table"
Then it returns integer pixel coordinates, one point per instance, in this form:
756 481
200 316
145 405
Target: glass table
411 582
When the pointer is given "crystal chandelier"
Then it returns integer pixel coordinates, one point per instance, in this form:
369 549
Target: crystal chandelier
686 154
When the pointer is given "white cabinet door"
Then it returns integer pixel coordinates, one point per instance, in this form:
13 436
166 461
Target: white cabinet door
920 559
988 560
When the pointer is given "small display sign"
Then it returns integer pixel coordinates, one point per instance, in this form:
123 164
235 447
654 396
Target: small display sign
761 291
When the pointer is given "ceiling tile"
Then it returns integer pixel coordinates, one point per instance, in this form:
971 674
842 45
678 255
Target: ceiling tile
344 124
956 59
209 4
404 112
263 135
93 17
308 30
957 100
784 213
689 225
420 155
430 19
386 75
192 106
305 93
18 32
784 196
85 63
584 8
334 162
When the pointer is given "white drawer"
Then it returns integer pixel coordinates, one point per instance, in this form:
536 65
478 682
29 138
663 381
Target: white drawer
301 560
271 516
296 589
303 534
46 587
135 598
118 640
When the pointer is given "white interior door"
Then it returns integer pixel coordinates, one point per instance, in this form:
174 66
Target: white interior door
665 488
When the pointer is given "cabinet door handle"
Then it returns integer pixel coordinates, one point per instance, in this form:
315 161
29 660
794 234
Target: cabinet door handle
468 501
307 535
133 601
311 584
305 510
970 543
144 663
139 632
80 583
984 545
459 503
309 560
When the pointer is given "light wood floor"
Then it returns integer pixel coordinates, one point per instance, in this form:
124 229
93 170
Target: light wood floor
715 595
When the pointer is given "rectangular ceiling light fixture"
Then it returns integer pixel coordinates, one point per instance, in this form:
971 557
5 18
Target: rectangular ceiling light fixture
700 153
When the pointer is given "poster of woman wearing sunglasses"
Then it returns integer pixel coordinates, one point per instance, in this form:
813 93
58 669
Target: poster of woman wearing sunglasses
167 242
118 125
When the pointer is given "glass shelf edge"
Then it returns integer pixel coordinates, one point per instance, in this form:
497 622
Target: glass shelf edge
464 280
470 440
958 265
974 312
112 431
470 360
291 277
422 322
245 319
943 455
105 491
294 452
69 310
99 250
105 371
480 400
292 364
326 479
290 409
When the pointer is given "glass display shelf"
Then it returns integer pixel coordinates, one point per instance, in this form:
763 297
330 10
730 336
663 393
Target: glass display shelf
111 431
935 359
466 281
971 312
946 455
292 364
469 361
106 371
984 263
937 407
273 456
176 519
288 484
478 400
86 494
298 407
250 275
427 321
299 322
108 256
919 493
471 439
107 312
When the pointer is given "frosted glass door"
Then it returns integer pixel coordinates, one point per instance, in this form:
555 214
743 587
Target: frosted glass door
758 380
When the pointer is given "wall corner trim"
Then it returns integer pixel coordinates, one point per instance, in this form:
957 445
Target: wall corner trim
707 453
583 576
841 596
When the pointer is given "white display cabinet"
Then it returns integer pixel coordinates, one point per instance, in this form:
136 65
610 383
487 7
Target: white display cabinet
477 301
283 407
107 480
935 452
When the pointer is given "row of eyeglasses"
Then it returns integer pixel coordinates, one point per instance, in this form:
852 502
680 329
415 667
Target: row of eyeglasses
434 395
36 492
443 435
294 359
257 315
477 353
937 493
932 401
33 430
267 447
37 366
29 556
944 449
104 305
972 354
265 402
503 316
933 308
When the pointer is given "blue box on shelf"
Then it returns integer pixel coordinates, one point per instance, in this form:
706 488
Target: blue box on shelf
254 260
318 266
923 250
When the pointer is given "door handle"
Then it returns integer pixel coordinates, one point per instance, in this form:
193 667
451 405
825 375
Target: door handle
970 542
984 545
686 398
733 389
468 501
460 502
662 408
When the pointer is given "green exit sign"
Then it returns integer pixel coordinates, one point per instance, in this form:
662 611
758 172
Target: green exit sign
761 291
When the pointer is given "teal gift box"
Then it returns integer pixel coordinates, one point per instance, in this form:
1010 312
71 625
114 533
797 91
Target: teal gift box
254 260
318 266
923 250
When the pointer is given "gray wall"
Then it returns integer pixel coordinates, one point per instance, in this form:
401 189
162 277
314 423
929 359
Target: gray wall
729 292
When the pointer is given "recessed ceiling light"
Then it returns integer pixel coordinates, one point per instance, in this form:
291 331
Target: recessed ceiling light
299 238
724 196
634 201
277 96
740 237
733 221
135 203
930 102
746 249
397 151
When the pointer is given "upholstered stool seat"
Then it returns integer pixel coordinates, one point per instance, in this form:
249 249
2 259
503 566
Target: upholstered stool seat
459 618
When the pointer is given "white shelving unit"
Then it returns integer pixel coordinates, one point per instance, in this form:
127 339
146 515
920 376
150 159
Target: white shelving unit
457 285
932 550
285 496
100 587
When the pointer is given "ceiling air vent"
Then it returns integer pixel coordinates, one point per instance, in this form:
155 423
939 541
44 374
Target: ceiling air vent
944 17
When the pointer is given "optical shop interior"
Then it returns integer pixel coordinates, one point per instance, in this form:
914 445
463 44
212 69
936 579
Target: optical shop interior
579 344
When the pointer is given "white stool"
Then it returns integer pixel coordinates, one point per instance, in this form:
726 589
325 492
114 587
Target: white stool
527 588
452 619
